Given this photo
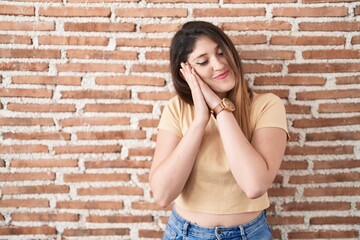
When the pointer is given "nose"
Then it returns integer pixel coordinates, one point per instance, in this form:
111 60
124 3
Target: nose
217 64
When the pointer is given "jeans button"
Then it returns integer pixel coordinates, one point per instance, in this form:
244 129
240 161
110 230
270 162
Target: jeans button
218 231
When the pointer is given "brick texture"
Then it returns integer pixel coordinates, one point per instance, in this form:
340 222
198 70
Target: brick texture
83 83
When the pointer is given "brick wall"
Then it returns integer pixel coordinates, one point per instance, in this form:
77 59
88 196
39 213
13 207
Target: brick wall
83 82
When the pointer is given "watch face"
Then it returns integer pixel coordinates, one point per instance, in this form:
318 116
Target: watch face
228 104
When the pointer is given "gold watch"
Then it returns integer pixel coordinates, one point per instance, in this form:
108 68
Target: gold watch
225 104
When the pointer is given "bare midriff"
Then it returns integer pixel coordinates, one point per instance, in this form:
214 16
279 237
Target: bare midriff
215 220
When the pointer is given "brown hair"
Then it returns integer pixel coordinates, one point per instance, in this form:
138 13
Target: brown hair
181 47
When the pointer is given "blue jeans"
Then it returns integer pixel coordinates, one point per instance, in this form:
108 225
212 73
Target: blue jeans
179 228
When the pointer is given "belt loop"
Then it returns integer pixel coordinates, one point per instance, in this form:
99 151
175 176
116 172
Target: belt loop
185 229
242 232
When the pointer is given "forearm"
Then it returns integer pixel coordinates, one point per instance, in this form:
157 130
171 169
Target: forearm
248 167
168 179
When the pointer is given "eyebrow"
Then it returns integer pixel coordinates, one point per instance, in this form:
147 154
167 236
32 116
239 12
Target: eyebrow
204 54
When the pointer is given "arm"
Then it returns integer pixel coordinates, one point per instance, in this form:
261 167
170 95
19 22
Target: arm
254 165
174 157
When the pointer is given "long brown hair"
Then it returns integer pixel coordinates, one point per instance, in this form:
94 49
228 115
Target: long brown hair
181 47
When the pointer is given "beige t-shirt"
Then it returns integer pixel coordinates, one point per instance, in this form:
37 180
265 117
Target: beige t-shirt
211 187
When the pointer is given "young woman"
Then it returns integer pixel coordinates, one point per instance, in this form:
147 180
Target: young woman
219 145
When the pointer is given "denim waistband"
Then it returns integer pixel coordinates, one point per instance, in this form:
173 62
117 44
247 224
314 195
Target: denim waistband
188 228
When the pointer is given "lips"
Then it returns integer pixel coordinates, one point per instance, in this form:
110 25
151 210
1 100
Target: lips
222 75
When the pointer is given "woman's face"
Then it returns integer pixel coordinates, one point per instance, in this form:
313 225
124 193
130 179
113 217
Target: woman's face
211 65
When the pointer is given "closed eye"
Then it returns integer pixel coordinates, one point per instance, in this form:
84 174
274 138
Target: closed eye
203 63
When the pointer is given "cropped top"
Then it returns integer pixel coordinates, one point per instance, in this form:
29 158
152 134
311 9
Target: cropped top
211 187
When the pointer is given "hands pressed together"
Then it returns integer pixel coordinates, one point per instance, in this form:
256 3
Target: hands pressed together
204 97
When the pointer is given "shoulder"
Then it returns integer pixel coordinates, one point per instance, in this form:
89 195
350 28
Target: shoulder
265 100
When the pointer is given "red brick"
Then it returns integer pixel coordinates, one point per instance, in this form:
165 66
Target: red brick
111 191
333 136
325 178
27 26
261 68
24 203
130 80
44 163
294 165
18 230
153 28
348 80
49 189
325 122
104 205
22 66
17 10
96 232
96 94
38 136
152 123
321 150
336 164
330 26
41 107
307 40
26 121
97 1
96 54
117 164
47 80
126 134
157 55
327 94
43 176
355 40
328 234
99 27
334 220
228 12
316 206
331 191
141 152
44 217
248 39
257 26
31 93
156 95
73 40
310 12
138 42
267 55
14 39
119 219
357 10
331 54
118 108
290 80
327 1
285 220
148 206
72 149
277 192
90 67
29 53
298 109
280 93
182 1
97 177
338 107
323 67
151 12
14 149
74 12
259 1
94 121
143 233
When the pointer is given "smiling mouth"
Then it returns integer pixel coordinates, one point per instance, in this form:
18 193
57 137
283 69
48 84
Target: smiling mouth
222 75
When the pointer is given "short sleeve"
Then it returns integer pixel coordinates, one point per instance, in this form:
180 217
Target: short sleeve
170 117
271 113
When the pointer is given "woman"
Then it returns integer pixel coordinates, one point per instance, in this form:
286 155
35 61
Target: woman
219 145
